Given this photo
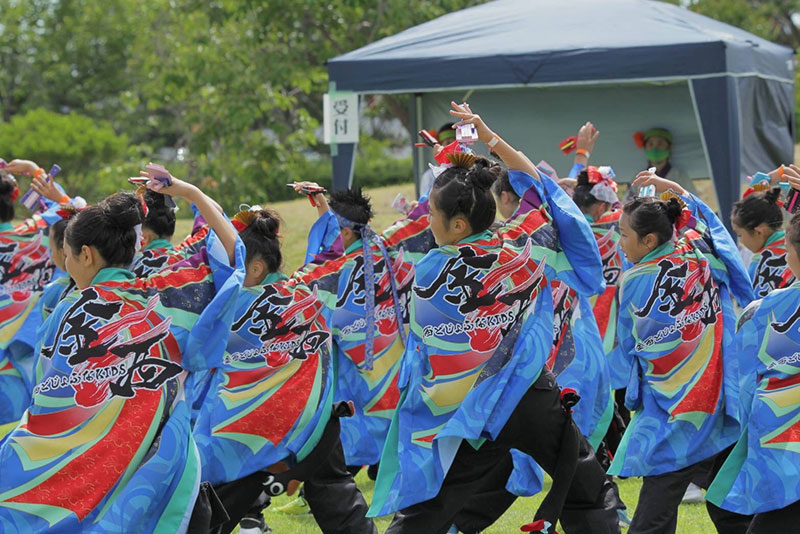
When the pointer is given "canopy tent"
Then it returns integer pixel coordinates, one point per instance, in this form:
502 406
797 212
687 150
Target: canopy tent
537 69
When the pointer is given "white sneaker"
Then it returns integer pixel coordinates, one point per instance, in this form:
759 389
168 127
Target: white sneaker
693 495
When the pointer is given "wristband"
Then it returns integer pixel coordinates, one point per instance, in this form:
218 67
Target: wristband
493 142
583 152
64 200
38 172
780 171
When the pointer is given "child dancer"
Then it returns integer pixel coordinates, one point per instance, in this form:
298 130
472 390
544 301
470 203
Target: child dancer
757 220
761 476
675 333
473 376
106 445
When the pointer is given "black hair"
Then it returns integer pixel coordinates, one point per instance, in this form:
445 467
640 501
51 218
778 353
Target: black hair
160 218
353 205
7 187
648 215
793 232
582 195
261 239
108 226
501 184
466 192
446 126
758 208
57 231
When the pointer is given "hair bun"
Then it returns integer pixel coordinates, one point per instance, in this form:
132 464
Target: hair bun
154 200
481 174
773 195
123 210
268 224
673 208
583 178
7 185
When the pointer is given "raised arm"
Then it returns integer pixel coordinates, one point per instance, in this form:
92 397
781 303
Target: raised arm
205 205
514 159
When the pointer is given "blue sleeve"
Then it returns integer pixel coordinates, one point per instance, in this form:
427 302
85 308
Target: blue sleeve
209 335
576 170
623 358
322 235
576 239
726 250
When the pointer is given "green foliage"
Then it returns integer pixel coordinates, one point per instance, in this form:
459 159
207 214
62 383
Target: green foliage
80 145
238 83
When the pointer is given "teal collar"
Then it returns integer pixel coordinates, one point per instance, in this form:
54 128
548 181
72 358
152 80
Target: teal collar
112 274
776 235
486 234
356 245
661 250
271 278
159 243
6 227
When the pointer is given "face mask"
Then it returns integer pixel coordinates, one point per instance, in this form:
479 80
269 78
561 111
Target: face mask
656 154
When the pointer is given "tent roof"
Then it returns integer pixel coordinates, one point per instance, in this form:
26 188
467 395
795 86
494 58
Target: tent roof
530 42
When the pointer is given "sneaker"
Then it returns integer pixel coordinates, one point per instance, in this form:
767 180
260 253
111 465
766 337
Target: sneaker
298 506
624 520
254 525
693 495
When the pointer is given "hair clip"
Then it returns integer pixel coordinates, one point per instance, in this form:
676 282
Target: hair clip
244 218
761 187
666 195
462 159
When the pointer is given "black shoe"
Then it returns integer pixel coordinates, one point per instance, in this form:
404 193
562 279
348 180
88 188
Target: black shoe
372 471
254 525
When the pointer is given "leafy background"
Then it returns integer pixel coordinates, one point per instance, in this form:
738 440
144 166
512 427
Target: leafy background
226 92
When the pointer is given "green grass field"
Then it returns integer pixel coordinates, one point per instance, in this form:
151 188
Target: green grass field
692 518
298 216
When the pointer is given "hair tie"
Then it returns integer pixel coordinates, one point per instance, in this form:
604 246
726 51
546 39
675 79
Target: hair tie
368 235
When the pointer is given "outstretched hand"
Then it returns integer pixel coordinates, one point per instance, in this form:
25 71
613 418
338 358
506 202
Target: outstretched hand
175 188
466 116
587 137
646 178
791 174
21 166
48 189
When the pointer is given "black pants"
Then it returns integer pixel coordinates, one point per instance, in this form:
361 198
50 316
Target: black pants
784 520
535 427
660 496
335 501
